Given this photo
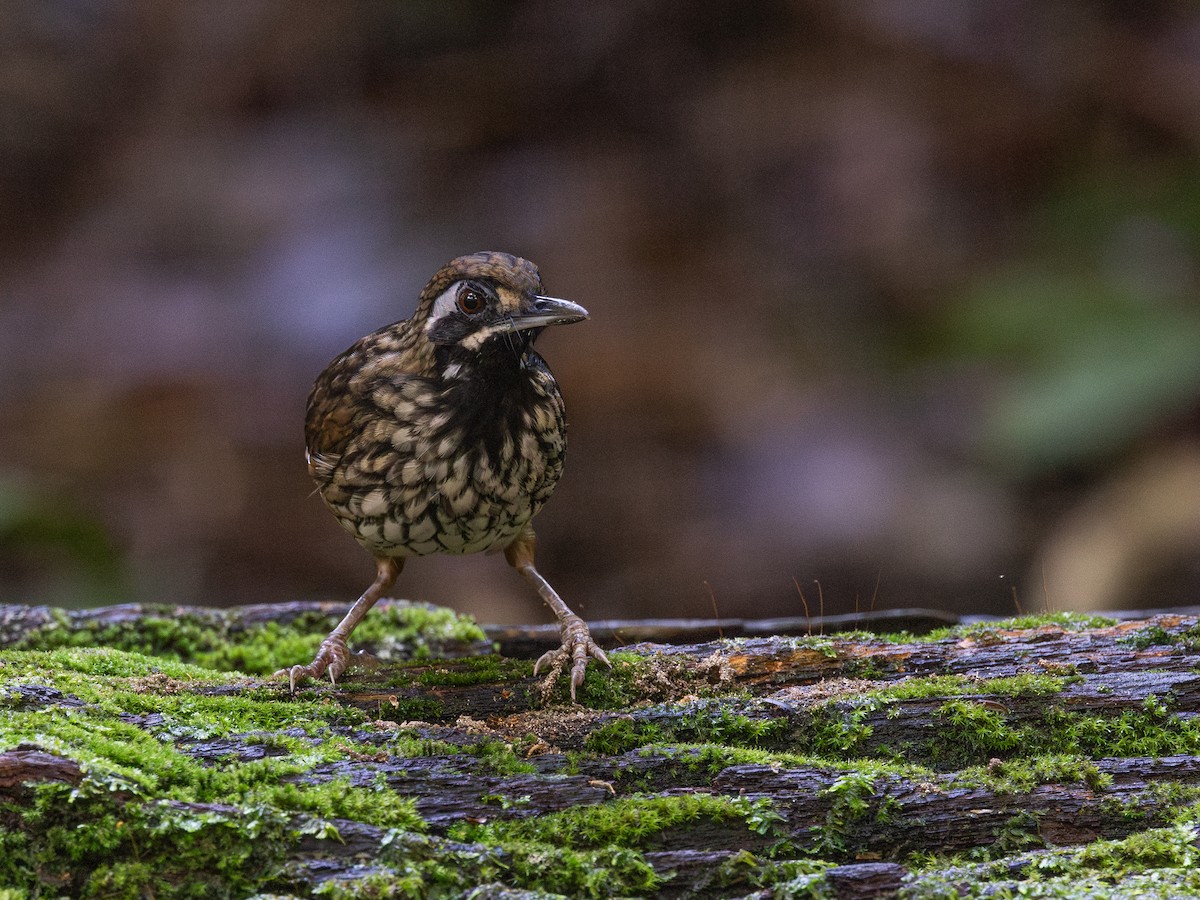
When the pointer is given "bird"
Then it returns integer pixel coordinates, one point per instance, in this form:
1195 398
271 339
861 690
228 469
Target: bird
446 433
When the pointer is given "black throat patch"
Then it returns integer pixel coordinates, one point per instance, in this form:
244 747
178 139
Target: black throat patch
493 394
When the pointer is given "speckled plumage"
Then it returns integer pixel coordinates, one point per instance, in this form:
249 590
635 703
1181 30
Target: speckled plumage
446 433
427 464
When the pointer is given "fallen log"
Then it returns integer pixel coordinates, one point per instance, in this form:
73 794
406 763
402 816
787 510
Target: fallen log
134 759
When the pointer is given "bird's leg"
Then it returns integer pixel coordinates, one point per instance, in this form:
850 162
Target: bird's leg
577 643
333 655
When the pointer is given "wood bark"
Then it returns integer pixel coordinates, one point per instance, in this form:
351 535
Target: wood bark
770 693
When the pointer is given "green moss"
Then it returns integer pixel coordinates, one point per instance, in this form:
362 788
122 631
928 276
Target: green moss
1019 832
1160 862
499 758
867 668
89 842
624 822
388 885
1150 636
335 800
416 866
695 765
259 651
961 685
211 641
426 867
1182 801
987 630
745 870
413 708
114 741
1022 775
971 732
150 817
1132 733
1067 621
411 628
45 666
974 729
806 884
492 669
712 758
820 643
622 734
596 851
840 728
611 872
148 813
970 727
702 722
716 723
622 685
851 794
133 760
1158 848
835 732
1155 884
166 635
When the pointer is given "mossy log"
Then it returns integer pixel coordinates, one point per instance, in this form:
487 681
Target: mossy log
1051 757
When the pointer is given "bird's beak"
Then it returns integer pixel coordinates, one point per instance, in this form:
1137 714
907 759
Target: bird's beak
545 311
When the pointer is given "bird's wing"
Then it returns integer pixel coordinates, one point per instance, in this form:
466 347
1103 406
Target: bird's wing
345 402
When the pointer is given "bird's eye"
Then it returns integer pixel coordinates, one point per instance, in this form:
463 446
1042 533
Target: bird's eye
471 301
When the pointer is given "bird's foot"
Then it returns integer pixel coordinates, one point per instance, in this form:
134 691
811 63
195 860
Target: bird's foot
332 659
577 646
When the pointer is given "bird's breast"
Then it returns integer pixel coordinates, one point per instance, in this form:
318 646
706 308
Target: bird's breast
455 468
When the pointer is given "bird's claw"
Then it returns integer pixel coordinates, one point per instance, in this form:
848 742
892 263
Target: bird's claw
332 659
577 646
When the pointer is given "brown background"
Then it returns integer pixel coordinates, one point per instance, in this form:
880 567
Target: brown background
895 297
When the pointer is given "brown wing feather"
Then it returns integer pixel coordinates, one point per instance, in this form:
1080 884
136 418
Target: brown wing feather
341 404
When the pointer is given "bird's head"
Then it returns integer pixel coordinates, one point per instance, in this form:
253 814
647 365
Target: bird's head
489 302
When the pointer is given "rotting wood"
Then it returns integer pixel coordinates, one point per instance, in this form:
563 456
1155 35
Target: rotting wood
907 778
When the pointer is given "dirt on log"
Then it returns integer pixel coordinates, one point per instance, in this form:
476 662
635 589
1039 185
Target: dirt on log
1047 757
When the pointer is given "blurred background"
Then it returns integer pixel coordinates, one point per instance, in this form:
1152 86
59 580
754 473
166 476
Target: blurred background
893 304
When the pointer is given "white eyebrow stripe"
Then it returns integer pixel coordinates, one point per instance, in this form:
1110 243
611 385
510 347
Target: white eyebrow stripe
444 304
